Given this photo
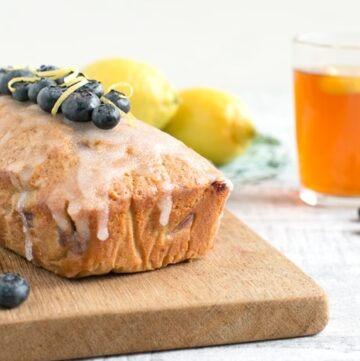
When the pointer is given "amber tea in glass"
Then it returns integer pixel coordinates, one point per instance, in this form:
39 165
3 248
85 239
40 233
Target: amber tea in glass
327 111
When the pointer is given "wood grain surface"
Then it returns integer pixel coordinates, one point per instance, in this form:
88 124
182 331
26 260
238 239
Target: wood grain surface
322 241
244 290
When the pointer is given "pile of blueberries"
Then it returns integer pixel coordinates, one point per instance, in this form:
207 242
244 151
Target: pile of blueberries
83 105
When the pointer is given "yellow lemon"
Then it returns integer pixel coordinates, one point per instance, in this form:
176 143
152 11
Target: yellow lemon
340 79
340 85
154 99
214 123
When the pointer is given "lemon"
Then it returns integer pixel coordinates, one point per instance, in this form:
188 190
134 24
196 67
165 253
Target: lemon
340 85
154 99
338 79
214 123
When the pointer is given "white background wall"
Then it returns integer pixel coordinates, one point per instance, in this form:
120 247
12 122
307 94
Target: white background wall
241 45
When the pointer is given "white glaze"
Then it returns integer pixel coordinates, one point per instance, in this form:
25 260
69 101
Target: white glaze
229 184
102 158
26 229
165 206
103 219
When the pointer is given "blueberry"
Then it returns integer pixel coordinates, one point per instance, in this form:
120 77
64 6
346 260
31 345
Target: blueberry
95 87
21 91
79 105
14 290
105 116
60 80
124 104
5 78
34 88
48 96
119 100
47 67
3 71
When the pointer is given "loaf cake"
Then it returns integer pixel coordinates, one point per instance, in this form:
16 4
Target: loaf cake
78 200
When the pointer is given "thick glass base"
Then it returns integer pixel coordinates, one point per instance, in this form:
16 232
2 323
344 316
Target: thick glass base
313 198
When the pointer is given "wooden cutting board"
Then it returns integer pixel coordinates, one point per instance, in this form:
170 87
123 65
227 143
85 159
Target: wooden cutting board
244 290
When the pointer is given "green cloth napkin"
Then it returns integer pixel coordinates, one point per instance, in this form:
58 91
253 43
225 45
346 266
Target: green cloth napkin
265 158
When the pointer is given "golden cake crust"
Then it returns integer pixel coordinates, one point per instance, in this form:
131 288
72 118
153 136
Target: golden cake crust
80 201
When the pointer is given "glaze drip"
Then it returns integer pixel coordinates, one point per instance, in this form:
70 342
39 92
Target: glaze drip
26 227
165 206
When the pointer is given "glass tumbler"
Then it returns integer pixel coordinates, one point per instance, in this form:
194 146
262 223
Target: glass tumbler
327 112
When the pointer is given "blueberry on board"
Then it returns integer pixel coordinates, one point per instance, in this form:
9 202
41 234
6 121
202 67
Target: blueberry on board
34 88
6 77
105 116
14 290
79 106
119 100
48 96
21 91
95 87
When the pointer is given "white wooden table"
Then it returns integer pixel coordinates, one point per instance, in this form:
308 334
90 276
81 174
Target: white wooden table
324 242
